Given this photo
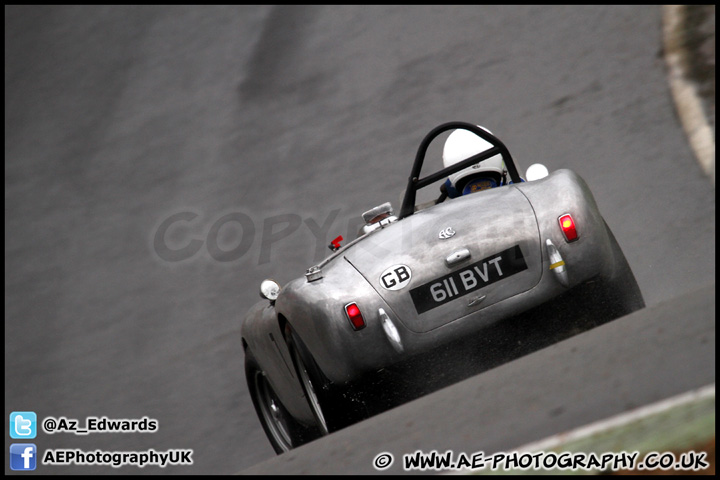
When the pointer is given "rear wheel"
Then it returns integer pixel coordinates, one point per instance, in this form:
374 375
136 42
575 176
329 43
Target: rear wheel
332 405
624 289
619 295
283 431
590 304
606 299
310 383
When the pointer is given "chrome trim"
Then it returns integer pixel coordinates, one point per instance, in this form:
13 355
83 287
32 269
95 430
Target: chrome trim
385 208
457 257
557 264
446 233
391 330
476 300
377 225
313 273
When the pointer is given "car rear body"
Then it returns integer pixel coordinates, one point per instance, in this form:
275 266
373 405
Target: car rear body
453 251
446 273
502 270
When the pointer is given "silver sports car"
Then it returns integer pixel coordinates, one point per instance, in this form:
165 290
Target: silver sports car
436 273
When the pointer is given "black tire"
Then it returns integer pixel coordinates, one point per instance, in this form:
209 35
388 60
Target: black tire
605 299
595 302
623 290
283 431
333 406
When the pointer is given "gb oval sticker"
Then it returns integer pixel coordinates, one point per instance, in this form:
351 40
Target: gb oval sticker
396 277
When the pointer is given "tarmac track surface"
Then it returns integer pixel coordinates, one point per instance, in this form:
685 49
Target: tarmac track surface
119 120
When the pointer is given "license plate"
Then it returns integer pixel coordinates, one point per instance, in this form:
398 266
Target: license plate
468 279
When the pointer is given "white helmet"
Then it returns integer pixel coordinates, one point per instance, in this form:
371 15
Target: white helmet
462 144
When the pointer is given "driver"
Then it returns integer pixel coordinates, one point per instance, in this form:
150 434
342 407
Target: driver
490 173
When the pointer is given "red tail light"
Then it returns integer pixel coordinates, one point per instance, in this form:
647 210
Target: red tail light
353 313
567 225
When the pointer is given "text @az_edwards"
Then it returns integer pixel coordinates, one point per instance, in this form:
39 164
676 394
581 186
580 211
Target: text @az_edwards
52 425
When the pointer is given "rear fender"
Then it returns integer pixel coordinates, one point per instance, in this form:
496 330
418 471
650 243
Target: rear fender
261 334
561 192
316 312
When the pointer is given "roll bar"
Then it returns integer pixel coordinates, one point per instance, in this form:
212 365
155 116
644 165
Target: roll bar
415 183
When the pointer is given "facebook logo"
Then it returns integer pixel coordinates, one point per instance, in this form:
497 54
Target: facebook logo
23 425
22 456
